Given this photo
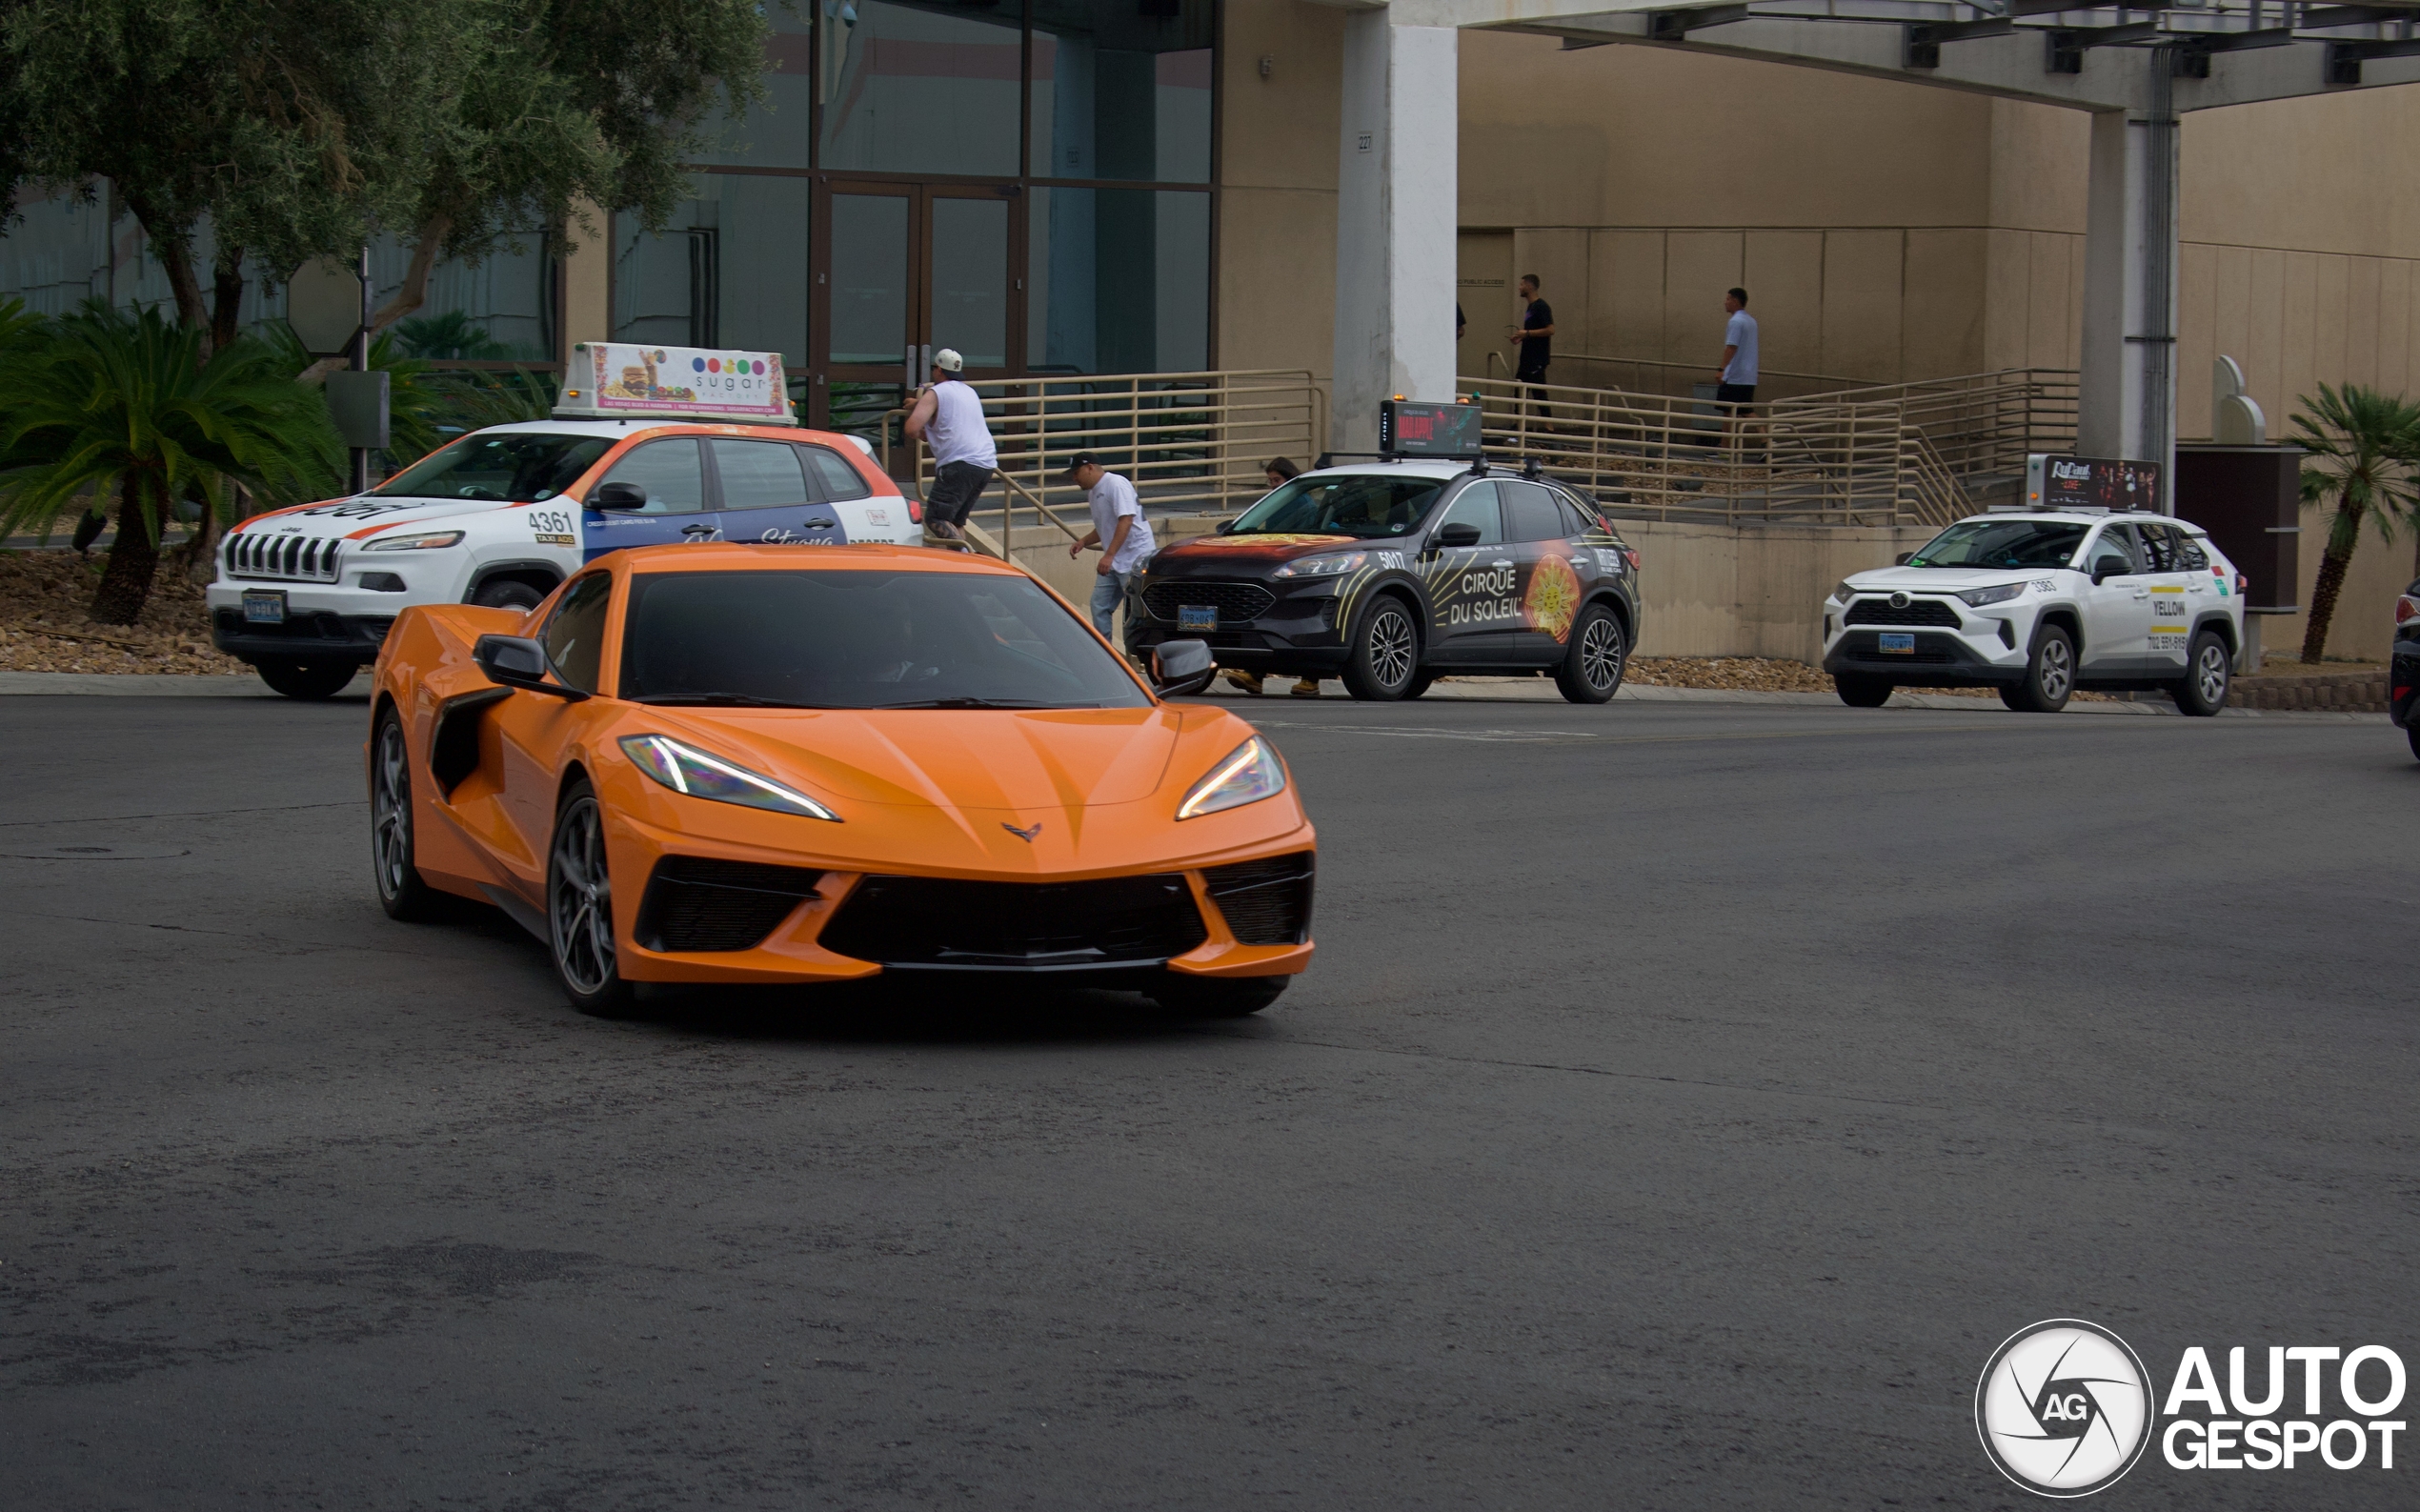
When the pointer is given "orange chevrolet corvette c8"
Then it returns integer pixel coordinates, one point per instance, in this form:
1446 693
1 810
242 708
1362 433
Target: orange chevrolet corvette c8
774 763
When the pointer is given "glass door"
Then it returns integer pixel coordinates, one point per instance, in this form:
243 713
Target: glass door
909 269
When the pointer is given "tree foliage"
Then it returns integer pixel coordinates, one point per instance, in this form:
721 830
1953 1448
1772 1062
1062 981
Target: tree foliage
2365 443
275 131
125 406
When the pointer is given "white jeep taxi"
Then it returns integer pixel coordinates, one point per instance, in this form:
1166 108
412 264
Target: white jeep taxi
2038 603
649 446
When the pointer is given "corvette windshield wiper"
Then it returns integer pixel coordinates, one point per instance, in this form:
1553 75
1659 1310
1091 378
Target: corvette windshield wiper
726 700
981 703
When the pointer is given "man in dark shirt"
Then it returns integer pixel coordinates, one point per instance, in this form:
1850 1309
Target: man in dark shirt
1536 338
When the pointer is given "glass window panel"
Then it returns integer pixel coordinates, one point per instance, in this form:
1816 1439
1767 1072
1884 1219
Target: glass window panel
671 473
1118 280
575 637
1532 512
730 270
1476 505
1122 93
836 477
760 475
911 89
869 278
776 133
970 279
497 308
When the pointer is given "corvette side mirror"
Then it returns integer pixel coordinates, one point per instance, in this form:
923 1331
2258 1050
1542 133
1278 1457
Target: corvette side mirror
516 661
618 496
1460 532
1901 560
1181 668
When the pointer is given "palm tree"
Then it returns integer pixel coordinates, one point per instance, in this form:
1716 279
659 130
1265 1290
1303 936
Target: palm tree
2365 442
123 404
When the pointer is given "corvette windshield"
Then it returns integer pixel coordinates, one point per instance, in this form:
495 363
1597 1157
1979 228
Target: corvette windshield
2002 543
518 467
1360 504
806 638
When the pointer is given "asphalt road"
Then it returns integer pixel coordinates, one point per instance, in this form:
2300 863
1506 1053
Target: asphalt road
1684 1104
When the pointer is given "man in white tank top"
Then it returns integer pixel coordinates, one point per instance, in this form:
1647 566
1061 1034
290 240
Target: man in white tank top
948 416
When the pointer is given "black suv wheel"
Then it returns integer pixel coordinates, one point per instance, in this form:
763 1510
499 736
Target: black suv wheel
1384 653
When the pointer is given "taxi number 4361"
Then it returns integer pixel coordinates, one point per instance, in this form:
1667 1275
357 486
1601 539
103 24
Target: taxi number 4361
552 527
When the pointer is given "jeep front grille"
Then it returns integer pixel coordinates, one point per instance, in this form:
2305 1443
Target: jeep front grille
285 558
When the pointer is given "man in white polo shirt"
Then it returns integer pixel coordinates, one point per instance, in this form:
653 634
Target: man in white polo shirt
1123 534
948 415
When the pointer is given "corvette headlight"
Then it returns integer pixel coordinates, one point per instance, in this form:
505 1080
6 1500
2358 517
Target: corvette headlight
685 769
1976 597
1323 565
1248 773
1844 594
436 541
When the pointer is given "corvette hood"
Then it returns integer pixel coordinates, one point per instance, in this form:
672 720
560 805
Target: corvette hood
1206 553
955 759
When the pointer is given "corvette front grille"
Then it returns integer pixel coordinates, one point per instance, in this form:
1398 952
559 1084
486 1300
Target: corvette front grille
696 903
1265 902
283 558
1016 926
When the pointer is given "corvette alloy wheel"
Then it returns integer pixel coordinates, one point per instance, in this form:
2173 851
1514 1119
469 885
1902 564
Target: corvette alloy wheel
401 891
579 895
390 811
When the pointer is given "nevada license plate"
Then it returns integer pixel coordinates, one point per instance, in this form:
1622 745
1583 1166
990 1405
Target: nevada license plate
1899 641
264 608
1197 616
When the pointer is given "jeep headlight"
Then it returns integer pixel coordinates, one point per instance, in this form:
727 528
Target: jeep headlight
433 540
683 768
1246 775
1323 565
1976 597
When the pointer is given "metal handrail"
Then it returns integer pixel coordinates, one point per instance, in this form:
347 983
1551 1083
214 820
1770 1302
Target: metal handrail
1197 438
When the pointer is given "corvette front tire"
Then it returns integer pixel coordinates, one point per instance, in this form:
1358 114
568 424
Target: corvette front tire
401 890
580 908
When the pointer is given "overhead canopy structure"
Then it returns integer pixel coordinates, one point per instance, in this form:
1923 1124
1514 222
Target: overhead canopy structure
2136 70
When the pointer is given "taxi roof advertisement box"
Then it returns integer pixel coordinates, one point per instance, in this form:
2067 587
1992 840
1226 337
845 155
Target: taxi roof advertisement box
623 379
2054 482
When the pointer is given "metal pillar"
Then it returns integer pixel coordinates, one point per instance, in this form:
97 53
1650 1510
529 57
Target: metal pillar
360 355
2126 389
1397 212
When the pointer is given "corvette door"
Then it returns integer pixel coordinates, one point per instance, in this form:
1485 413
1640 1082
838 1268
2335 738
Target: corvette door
534 729
1472 606
767 494
674 474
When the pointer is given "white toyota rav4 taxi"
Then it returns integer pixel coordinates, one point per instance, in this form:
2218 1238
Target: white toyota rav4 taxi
649 446
2038 603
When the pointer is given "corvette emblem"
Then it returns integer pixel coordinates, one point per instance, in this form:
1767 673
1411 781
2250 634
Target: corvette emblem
1027 836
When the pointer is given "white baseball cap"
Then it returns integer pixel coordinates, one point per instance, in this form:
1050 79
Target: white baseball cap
949 361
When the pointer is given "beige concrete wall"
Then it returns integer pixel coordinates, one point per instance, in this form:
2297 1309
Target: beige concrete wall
588 281
2363 625
1277 171
1724 590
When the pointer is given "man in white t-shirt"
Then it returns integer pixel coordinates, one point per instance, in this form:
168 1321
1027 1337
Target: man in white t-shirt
948 415
1735 386
1122 533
